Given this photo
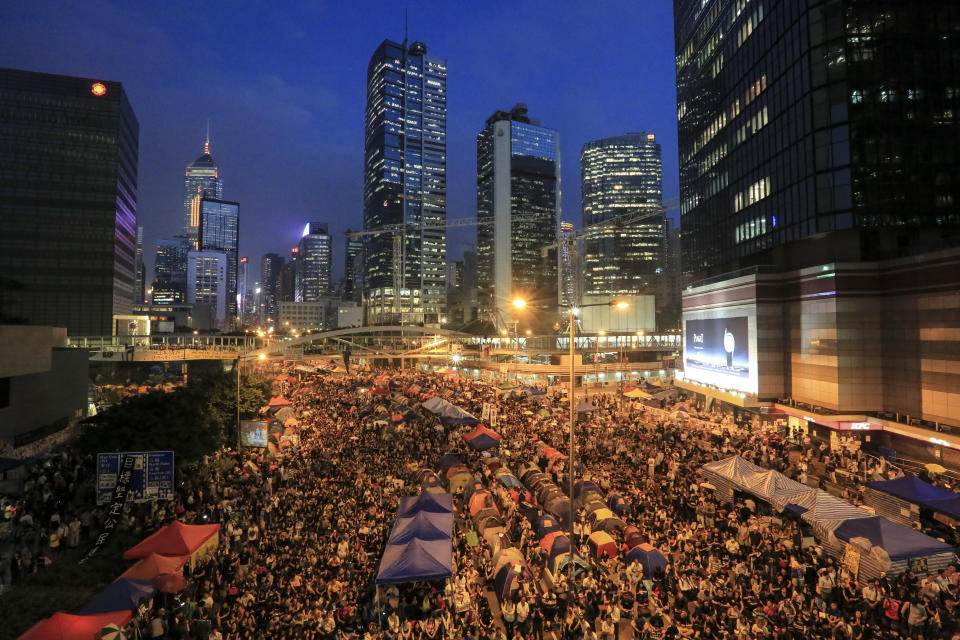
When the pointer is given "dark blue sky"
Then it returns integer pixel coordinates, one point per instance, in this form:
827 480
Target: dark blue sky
284 89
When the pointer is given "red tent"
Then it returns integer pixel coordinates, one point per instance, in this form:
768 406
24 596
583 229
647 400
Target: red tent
175 539
479 431
170 582
66 626
279 402
153 565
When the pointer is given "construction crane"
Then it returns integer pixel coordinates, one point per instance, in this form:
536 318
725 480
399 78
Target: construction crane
571 239
400 231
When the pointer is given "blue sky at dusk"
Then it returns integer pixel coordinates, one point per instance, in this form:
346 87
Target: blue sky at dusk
283 85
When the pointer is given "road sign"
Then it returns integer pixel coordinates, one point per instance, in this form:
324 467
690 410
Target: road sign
151 479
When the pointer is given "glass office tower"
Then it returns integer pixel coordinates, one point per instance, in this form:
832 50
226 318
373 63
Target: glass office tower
621 177
219 231
405 181
68 201
353 269
270 267
798 119
314 262
518 174
202 178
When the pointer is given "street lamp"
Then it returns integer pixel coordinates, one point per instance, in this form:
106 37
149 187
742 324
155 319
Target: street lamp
261 356
619 304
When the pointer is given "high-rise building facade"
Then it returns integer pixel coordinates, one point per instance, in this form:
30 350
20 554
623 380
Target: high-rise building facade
353 255
820 203
219 231
68 197
570 280
405 181
518 174
621 176
270 267
798 119
202 179
208 284
170 271
314 261
140 275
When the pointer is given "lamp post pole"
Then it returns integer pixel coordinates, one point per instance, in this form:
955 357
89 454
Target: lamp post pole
570 473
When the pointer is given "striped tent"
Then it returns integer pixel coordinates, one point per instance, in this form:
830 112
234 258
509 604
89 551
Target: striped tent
733 474
825 512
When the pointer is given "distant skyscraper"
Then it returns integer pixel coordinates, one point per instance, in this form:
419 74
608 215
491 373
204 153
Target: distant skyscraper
570 279
353 269
518 167
621 176
270 268
68 200
243 292
405 181
288 279
140 276
202 178
208 284
314 261
219 231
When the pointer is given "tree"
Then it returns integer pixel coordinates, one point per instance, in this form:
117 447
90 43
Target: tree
192 421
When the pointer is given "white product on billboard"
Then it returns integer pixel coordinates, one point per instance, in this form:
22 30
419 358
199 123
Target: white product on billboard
716 351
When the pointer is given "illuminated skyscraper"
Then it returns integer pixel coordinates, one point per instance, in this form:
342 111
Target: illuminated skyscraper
569 284
68 200
314 260
203 178
621 176
140 276
405 181
270 267
518 173
219 231
353 269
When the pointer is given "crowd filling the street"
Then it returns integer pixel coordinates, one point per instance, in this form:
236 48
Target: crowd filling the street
653 551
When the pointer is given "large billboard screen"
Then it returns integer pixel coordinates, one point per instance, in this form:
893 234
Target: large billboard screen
253 433
719 347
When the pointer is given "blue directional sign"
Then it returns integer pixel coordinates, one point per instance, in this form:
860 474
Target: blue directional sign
151 479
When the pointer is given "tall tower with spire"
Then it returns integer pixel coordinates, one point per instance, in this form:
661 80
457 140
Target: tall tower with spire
202 178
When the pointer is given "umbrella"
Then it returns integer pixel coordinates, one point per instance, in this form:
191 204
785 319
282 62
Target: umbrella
933 467
112 632
170 582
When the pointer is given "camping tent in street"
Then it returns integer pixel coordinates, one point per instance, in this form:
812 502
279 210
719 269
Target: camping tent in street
900 542
121 594
177 539
277 401
482 438
416 561
649 558
894 499
66 626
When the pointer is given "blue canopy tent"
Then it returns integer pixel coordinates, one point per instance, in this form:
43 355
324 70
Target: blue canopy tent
586 407
424 525
449 413
430 502
416 561
912 489
124 594
900 542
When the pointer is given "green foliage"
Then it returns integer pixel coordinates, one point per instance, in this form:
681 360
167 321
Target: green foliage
192 421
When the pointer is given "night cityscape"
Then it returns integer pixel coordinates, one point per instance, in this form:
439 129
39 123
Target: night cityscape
536 321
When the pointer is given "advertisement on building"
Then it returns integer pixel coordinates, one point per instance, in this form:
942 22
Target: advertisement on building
253 433
717 351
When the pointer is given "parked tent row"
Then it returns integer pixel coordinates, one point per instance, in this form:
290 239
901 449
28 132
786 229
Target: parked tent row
420 546
866 542
547 494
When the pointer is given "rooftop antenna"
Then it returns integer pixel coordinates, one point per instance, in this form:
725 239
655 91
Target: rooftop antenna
406 24
206 143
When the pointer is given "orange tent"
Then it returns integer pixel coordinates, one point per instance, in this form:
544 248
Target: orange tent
152 565
176 539
481 500
66 626
277 401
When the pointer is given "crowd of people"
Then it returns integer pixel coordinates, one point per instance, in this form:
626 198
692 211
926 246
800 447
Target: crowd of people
302 535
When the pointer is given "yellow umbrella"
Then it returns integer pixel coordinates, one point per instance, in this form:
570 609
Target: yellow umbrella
933 467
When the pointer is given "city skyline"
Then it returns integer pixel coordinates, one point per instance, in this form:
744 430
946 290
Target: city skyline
287 131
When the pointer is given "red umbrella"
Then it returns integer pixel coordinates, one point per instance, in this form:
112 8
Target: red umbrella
170 582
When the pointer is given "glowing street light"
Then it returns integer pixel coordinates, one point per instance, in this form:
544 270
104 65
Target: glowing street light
519 303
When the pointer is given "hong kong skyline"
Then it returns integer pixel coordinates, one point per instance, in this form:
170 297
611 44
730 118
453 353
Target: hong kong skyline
284 92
